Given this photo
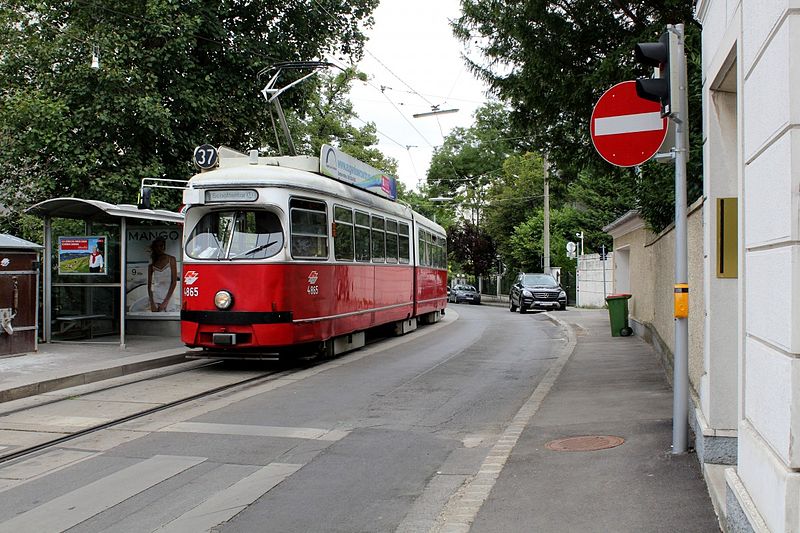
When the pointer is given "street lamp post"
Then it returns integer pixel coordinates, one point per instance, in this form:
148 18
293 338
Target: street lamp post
578 270
546 236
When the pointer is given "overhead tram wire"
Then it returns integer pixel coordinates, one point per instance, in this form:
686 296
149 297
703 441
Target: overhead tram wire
383 91
402 115
390 71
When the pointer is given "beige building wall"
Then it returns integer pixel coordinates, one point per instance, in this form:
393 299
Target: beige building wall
652 280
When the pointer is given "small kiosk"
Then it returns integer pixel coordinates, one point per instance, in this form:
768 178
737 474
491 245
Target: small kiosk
97 279
19 295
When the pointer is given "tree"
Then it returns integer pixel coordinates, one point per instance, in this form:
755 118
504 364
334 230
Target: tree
172 75
470 158
513 197
472 248
550 61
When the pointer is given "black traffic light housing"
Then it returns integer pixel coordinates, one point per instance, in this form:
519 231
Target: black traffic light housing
144 198
658 88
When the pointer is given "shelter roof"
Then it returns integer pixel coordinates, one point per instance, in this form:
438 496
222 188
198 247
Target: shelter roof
9 241
98 211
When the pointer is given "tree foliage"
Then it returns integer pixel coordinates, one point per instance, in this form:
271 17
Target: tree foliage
509 211
470 158
172 75
472 248
550 61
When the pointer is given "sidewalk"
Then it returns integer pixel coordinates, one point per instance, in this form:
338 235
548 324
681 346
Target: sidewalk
62 365
609 386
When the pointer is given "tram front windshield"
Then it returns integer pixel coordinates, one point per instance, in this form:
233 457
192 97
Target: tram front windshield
236 234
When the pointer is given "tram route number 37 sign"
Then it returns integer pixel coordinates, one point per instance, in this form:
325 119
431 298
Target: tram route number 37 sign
627 130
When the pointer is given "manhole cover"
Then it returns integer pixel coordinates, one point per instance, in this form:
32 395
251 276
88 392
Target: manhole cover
586 443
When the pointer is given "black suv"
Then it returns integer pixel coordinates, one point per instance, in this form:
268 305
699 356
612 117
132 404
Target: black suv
539 291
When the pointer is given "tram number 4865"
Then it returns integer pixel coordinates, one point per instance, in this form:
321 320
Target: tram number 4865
313 289
191 291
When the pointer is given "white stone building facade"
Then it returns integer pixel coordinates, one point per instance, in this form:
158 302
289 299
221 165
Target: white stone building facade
751 383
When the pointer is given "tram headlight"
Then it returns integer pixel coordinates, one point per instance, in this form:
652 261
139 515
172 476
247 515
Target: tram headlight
223 300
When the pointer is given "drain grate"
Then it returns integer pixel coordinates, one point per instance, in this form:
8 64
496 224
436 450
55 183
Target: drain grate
585 443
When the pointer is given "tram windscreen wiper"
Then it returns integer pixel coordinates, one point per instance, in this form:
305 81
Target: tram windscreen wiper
259 248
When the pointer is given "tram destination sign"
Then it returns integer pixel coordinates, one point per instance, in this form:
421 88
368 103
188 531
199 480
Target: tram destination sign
231 195
346 168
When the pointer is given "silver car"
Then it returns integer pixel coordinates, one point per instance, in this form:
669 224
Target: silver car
464 293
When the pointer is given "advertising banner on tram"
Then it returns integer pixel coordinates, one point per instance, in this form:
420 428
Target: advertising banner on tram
343 167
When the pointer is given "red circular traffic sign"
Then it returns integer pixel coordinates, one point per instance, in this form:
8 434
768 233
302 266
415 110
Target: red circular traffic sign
627 130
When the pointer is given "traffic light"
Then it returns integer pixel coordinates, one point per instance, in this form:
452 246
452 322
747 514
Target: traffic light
144 198
664 85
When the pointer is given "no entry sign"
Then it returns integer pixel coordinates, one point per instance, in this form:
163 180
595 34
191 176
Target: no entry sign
627 130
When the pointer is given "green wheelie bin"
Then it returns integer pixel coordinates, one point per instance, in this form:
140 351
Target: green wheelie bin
618 313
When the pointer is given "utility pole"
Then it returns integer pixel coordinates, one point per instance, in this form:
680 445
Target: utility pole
669 87
680 402
546 244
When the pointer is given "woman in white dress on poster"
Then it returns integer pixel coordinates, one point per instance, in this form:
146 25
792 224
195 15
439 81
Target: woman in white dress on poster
162 276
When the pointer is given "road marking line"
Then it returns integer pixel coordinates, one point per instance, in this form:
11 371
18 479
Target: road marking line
40 464
460 512
257 431
226 504
81 504
634 123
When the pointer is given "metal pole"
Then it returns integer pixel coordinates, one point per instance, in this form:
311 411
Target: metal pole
680 402
123 253
546 244
284 127
47 281
603 264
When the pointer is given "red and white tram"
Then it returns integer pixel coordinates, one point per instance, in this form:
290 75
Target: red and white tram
278 255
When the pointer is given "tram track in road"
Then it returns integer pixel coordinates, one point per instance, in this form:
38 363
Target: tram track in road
286 369
243 383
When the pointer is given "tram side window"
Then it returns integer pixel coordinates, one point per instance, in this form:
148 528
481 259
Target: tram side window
309 229
438 252
343 248
362 234
391 241
403 243
424 249
432 250
378 240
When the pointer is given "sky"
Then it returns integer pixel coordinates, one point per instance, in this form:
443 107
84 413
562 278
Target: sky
412 54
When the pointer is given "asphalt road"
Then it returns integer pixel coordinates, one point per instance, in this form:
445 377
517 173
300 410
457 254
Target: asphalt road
376 440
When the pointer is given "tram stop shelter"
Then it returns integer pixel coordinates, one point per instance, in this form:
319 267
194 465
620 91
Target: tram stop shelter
95 270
